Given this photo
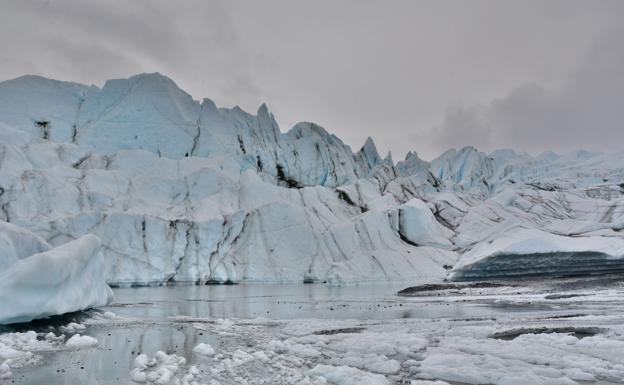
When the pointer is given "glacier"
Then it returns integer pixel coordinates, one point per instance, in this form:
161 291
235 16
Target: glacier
182 191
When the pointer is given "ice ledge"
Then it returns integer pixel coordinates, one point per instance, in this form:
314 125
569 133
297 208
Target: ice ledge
535 253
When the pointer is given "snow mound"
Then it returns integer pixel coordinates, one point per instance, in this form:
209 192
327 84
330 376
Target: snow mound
67 278
79 342
532 252
204 350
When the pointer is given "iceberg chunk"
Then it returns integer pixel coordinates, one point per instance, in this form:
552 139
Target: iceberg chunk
67 278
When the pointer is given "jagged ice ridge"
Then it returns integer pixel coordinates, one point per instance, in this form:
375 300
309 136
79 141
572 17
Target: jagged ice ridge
179 190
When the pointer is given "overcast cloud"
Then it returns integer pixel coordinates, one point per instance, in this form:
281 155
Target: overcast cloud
414 75
585 110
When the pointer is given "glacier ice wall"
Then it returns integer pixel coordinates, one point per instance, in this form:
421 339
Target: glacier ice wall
180 190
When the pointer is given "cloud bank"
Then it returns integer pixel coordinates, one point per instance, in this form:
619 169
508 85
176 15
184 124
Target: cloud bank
585 110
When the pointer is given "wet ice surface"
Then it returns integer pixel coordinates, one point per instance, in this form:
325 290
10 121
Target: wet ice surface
307 334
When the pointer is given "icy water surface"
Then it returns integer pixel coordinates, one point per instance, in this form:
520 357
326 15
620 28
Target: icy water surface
372 301
175 319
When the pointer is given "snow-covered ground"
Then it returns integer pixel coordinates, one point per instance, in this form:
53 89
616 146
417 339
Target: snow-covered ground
317 335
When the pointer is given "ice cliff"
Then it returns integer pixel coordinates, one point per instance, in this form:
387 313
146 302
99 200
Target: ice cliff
179 190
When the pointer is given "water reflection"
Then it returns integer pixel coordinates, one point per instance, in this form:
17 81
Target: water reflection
376 301
276 302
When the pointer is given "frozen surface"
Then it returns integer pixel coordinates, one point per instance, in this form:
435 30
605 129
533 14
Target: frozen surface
356 335
59 280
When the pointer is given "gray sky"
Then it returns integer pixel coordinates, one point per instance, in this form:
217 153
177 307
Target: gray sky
414 75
